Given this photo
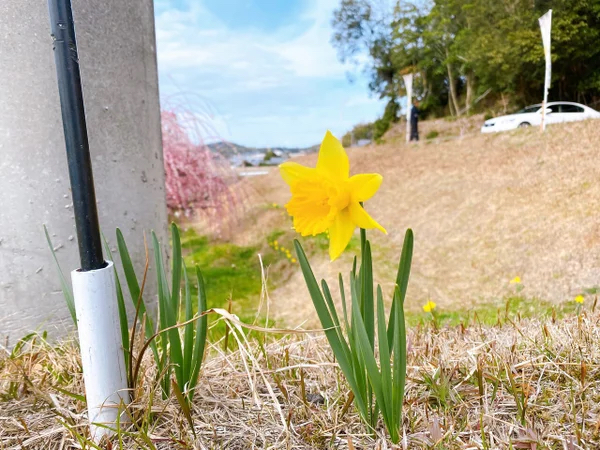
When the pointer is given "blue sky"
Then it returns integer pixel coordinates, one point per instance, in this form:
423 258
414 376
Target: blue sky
263 70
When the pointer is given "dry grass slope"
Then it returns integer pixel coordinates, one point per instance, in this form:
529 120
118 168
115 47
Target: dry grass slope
484 209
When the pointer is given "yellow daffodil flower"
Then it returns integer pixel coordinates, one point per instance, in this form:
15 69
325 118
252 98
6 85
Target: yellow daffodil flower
429 306
515 280
327 198
579 299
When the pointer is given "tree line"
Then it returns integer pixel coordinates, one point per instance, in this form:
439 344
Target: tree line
463 51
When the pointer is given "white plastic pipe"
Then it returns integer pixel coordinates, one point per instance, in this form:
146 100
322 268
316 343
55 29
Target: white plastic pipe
101 348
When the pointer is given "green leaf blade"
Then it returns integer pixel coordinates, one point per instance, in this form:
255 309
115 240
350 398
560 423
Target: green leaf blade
401 279
328 324
366 288
200 339
123 321
176 270
135 292
64 286
188 336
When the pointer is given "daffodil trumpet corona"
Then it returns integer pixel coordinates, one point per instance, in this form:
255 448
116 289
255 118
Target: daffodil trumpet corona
327 198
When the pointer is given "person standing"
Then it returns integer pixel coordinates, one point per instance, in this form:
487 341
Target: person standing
414 121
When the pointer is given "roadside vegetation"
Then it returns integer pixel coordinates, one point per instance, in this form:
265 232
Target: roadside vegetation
500 354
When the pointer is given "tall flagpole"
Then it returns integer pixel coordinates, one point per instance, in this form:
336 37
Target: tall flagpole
408 81
546 26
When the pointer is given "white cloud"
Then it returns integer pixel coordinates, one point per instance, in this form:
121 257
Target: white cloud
269 88
310 54
194 38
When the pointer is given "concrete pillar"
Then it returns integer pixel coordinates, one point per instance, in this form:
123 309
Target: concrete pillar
118 66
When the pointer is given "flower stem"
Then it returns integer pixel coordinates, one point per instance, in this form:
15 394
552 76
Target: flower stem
363 241
363 237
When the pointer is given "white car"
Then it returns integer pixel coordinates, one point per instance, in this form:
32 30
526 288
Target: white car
556 112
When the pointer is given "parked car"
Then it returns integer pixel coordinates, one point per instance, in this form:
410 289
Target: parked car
556 112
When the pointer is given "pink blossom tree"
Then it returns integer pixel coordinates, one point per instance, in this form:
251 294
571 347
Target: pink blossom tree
198 181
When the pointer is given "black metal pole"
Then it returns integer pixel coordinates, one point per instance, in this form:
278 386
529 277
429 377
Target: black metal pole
76 138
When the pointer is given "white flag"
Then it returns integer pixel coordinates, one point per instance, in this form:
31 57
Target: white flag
408 79
546 27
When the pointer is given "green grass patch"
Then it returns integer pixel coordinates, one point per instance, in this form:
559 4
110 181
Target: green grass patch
432 135
231 272
493 313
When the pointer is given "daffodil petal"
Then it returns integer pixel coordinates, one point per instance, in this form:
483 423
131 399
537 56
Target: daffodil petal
364 186
333 160
292 172
362 219
340 234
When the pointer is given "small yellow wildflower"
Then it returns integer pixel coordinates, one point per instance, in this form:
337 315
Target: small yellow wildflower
327 198
579 299
515 280
293 260
429 306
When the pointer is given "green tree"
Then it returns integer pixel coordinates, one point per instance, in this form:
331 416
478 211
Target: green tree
363 27
462 49
358 132
390 116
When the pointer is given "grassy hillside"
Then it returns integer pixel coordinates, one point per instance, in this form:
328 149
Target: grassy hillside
484 209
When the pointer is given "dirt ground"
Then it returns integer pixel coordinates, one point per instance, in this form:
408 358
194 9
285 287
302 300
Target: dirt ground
484 209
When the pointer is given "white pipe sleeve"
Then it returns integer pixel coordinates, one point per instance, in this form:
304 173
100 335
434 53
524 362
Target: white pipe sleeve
101 347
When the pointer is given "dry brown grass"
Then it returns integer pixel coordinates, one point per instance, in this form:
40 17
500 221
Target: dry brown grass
528 384
484 209
445 128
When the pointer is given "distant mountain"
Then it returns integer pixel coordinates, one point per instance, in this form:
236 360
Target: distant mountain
230 149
